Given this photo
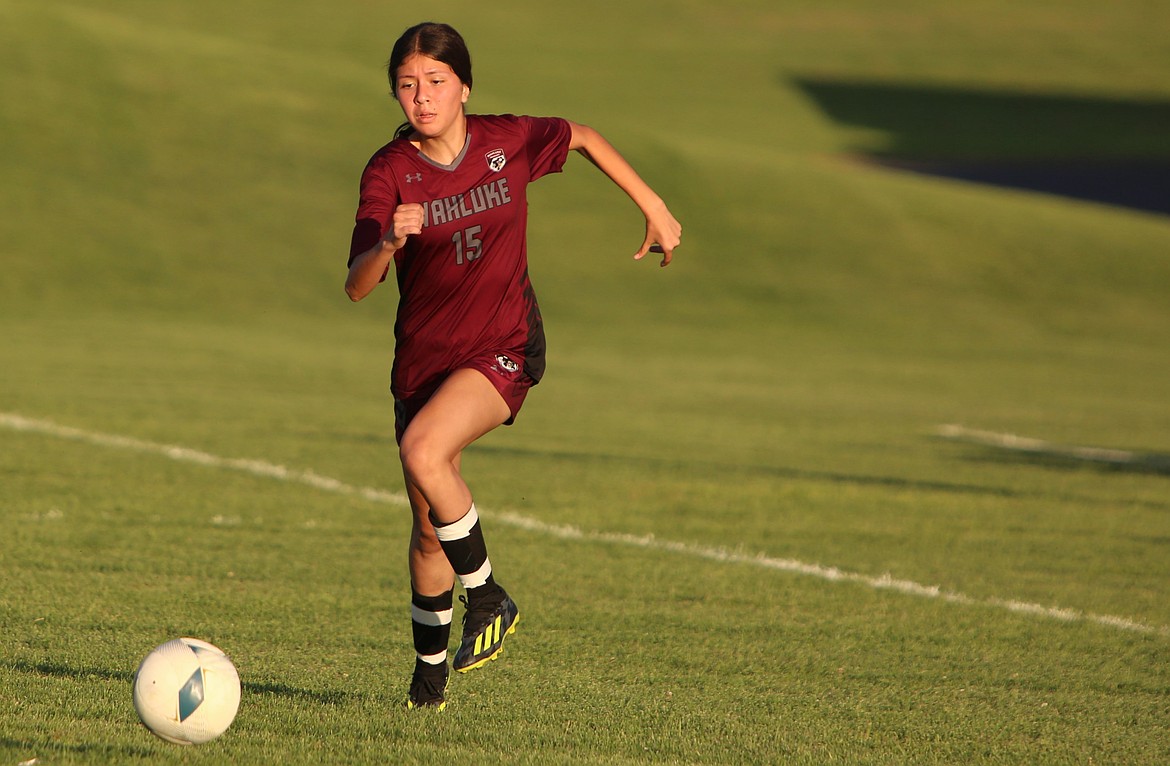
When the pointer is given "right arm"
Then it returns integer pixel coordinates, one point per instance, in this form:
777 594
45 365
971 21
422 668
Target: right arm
368 268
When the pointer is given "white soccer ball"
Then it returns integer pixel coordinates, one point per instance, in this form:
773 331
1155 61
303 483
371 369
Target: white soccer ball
187 691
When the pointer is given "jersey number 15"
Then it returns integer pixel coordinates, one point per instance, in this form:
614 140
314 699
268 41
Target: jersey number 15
468 245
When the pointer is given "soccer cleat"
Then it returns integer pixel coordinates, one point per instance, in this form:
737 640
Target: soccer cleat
484 628
427 688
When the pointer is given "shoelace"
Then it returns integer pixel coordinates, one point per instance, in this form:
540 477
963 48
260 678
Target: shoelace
479 614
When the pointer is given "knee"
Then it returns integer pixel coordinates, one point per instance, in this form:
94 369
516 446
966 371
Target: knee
421 460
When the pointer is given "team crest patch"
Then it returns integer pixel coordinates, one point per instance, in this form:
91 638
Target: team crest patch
506 363
496 160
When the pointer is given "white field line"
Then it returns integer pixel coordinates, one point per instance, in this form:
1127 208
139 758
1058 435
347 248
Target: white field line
1026 444
261 468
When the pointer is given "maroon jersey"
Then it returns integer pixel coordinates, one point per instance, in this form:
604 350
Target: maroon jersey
463 282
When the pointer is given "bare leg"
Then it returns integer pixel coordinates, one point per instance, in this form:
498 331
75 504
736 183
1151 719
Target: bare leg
430 572
463 409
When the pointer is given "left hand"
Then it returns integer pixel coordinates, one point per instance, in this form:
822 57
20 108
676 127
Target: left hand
663 234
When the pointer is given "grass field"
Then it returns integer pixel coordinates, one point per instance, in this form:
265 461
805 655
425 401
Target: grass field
731 527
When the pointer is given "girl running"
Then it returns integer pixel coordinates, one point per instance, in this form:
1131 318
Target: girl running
445 204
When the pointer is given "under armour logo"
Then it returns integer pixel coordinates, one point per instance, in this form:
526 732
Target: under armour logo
412 177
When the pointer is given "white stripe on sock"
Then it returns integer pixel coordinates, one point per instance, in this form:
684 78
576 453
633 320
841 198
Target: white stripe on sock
434 659
459 529
434 619
478 577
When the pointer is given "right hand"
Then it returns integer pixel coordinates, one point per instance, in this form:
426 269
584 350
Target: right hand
407 220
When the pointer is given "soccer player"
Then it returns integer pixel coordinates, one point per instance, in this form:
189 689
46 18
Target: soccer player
445 204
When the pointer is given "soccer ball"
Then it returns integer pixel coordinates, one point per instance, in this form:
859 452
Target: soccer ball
187 691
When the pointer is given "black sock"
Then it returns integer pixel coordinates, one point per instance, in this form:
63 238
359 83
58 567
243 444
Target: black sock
464 545
431 626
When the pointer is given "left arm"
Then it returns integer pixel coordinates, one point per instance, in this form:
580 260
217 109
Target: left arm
663 232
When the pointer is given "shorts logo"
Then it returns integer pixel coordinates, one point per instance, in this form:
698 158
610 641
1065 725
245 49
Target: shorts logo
496 160
506 363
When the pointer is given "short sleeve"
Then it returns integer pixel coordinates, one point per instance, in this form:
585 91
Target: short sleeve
377 198
547 141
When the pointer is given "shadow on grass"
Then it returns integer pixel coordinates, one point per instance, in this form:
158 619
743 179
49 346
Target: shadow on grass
1064 463
1105 150
327 698
60 670
694 468
90 751
729 472
1012 448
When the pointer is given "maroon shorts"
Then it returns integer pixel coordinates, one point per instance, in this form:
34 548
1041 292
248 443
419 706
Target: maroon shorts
504 370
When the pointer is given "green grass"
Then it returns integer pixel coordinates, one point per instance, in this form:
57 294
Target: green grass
177 186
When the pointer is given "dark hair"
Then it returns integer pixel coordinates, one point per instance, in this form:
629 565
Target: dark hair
437 41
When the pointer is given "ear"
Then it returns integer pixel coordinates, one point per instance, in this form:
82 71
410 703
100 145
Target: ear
466 93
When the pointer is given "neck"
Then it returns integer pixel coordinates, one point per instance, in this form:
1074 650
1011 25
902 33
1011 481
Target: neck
446 146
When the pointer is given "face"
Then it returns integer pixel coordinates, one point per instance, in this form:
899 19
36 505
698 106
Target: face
431 96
